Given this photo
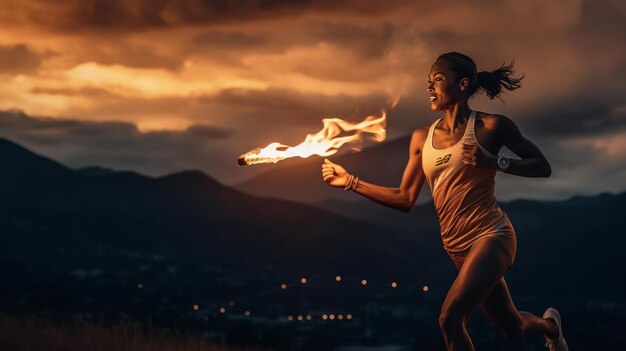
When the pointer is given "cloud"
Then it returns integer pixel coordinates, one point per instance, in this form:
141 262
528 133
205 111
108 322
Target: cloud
144 14
20 59
220 128
107 15
247 110
207 132
229 40
250 119
120 145
597 114
133 55
238 75
367 41
581 165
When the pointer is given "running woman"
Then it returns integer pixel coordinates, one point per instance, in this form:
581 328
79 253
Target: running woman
457 155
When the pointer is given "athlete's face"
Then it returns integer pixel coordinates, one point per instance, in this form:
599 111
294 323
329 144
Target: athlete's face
443 88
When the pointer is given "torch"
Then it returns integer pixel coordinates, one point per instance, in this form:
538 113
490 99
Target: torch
336 133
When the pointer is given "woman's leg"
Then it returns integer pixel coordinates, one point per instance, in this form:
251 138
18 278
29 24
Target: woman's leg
482 270
501 311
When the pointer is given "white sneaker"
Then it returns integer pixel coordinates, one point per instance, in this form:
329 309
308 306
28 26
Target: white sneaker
558 344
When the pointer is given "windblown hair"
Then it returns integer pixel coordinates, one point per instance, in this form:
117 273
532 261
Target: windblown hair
489 82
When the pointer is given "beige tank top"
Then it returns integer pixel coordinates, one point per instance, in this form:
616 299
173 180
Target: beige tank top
463 195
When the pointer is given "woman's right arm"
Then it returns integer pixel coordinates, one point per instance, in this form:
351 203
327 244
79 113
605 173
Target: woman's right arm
401 198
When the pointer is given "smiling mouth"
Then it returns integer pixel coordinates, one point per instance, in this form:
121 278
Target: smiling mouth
433 98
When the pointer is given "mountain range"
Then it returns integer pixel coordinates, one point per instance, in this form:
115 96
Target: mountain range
46 202
189 234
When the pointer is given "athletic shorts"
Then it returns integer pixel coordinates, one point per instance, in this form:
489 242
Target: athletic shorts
507 239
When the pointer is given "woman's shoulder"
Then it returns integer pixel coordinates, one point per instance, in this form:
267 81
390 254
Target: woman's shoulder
419 136
493 121
421 132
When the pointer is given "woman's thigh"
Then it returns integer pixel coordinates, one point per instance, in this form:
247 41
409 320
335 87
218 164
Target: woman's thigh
482 269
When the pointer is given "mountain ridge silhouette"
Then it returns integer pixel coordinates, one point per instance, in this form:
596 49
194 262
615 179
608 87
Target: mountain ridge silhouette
81 240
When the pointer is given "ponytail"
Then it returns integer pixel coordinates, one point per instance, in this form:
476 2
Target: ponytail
489 82
492 82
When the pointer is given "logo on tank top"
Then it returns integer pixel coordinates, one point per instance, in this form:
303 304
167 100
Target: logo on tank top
442 160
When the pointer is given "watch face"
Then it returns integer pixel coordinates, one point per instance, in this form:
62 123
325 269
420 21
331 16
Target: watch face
503 162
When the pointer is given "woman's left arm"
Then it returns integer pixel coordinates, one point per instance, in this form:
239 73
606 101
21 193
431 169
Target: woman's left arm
532 164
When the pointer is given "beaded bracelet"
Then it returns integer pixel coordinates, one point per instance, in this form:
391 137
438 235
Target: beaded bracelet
349 182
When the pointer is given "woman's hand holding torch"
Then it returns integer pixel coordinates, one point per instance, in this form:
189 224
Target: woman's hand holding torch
337 176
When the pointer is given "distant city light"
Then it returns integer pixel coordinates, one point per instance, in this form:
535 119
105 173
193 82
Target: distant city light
338 278
247 313
340 316
300 318
140 286
364 282
425 288
308 317
332 316
196 307
349 316
303 280
324 316
222 310
394 285
283 286
290 317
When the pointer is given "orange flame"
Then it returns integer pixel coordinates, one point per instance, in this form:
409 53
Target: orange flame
324 143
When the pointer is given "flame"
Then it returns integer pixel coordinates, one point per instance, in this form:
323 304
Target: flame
326 142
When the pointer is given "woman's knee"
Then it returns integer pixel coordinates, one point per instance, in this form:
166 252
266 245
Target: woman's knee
451 320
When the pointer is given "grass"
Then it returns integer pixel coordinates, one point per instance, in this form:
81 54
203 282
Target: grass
34 333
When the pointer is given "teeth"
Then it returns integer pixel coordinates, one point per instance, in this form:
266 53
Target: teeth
433 98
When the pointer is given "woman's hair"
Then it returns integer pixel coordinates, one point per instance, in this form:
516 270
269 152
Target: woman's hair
489 82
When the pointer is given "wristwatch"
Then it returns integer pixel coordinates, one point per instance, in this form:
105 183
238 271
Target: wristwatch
503 162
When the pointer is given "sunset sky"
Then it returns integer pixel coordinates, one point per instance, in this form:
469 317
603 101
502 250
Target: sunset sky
158 86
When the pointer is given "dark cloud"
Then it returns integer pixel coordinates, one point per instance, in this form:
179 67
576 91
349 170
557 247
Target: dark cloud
482 16
355 45
240 109
601 23
20 59
18 120
367 41
120 145
86 92
77 15
282 106
207 132
255 119
229 47
145 14
580 166
588 113
229 40
130 55
593 102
